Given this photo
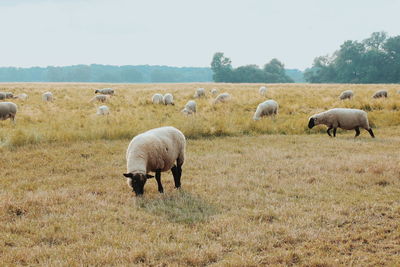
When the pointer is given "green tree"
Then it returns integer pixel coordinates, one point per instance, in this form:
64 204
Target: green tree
222 68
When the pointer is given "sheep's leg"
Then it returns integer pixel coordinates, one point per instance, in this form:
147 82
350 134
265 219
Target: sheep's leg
371 133
177 173
357 132
158 178
334 132
329 131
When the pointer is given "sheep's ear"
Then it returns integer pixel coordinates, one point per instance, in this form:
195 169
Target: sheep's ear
148 176
128 175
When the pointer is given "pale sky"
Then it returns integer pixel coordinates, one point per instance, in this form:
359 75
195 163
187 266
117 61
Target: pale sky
185 32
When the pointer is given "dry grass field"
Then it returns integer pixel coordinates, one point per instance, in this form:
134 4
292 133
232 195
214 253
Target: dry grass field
261 193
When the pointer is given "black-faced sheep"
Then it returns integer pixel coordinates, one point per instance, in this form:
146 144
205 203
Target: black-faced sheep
156 150
344 118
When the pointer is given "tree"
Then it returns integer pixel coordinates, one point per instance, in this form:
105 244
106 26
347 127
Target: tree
275 72
222 68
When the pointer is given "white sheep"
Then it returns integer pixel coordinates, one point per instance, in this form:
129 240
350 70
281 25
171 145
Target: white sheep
190 107
103 110
263 90
168 99
344 118
199 93
2 96
48 96
8 110
266 108
157 99
222 98
9 95
100 98
156 150
22 96
348 94
381 93
214 91
105 91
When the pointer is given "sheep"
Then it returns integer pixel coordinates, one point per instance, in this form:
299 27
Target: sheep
103 110
344 118
266 108
22 96
199 93
105 91
2 96
6 95
348 94
8 110
9 95
155 151
168 99
157 99
222 98
263 90
190 107
381 93
100 98
48 96
214 91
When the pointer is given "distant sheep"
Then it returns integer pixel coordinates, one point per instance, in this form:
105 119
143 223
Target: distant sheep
381 93
100 98
157 99
9 95
190 108
47 97
344 118
2 96
8 110
266 108
200 92
6 95
157 150
168 99
214 91
22 96
263 90
105 91
222 98
348 94
103 110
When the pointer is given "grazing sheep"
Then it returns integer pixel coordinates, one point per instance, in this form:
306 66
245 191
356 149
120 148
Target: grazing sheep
222 98
214 91
348 94
8 110
381 93
100 98
103 110
2 96
266 108
263 90
344 118
199 93
9 95
156 150
48 96
22 96
157 99
105 91
190 107
168 99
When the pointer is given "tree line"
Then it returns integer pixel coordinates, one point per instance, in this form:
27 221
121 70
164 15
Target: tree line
272 72
106 73
373 60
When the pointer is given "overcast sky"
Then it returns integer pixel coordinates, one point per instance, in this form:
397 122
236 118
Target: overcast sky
185 32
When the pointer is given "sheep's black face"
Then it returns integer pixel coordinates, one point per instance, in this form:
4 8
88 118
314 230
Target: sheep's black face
311 123
137 182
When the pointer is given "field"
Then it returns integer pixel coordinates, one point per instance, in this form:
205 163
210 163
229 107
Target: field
270 192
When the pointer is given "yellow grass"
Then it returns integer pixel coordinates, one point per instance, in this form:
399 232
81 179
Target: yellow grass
253 193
